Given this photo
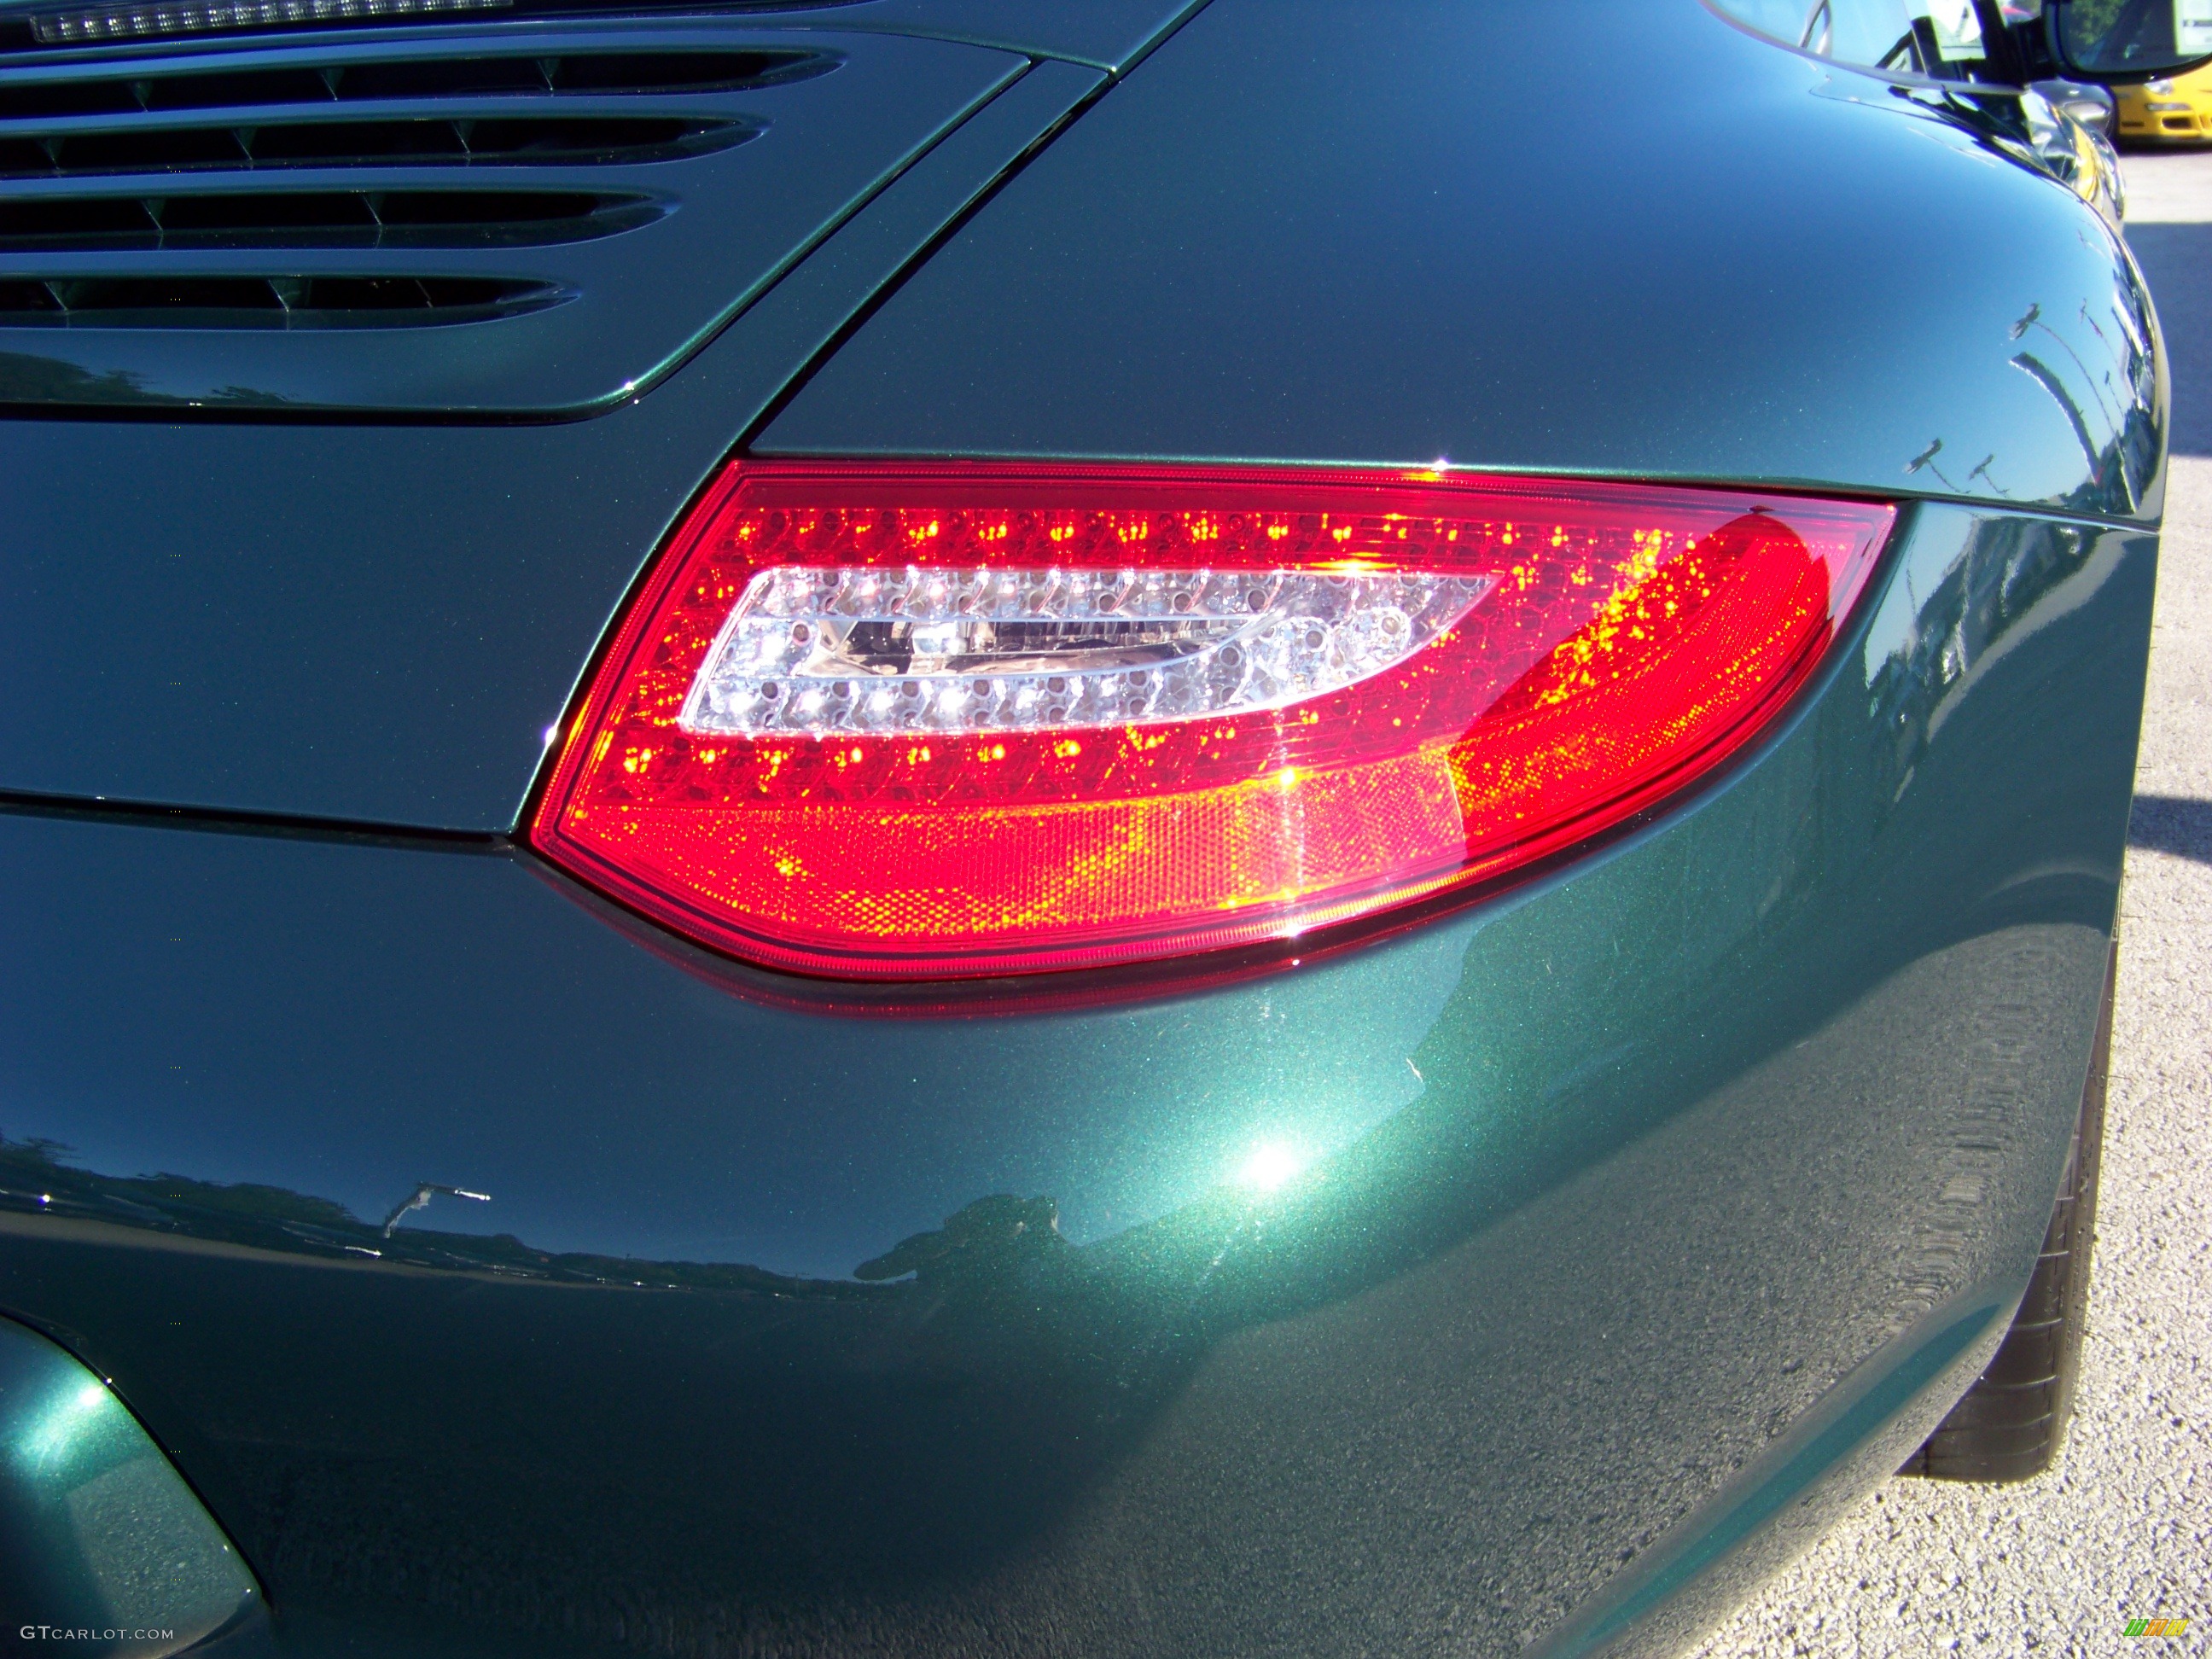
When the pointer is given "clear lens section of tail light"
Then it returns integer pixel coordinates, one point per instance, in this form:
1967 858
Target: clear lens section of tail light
911 721
825 652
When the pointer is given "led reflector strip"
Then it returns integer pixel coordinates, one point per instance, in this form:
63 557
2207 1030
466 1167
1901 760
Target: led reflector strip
830 651
909 719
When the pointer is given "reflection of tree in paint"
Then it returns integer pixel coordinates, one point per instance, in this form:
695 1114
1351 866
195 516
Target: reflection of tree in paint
2120 462
2005 569
35 1178
29 378
2116 34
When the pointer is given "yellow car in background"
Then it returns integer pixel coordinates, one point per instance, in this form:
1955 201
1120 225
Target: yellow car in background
2180 108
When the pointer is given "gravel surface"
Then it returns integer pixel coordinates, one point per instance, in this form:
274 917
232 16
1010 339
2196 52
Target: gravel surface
2122 1529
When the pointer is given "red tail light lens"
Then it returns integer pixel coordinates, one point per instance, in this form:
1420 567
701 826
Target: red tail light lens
920 720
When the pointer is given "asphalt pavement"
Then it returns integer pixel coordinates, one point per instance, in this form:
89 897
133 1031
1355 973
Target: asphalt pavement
2122 1528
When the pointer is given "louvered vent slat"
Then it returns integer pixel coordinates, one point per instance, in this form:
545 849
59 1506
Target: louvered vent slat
592 194
569 141
267 302
127 122
609 74
331 218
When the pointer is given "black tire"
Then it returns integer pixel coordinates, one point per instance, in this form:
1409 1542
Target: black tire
2011 1424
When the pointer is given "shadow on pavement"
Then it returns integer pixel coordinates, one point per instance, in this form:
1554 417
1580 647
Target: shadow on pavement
2172 824
2177 260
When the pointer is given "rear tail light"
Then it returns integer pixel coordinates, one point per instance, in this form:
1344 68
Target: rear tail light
910 720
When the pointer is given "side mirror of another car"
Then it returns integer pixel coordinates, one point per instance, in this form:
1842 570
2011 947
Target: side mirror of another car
2091 106
2119 42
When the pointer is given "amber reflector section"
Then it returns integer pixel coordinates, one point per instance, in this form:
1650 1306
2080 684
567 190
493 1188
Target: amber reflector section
915 720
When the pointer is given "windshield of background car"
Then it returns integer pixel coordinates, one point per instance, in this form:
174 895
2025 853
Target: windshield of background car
2115 36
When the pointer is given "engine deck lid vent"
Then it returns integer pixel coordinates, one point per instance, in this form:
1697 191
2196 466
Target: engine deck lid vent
603 198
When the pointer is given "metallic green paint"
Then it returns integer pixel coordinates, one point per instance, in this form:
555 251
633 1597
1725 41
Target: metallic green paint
1103 35
1813 1476
1596 1205
1530 1275
1282 238
103 1550
382 627
460 574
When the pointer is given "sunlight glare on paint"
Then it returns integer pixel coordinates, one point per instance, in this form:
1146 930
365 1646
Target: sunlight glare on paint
63 1423
1270 1165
